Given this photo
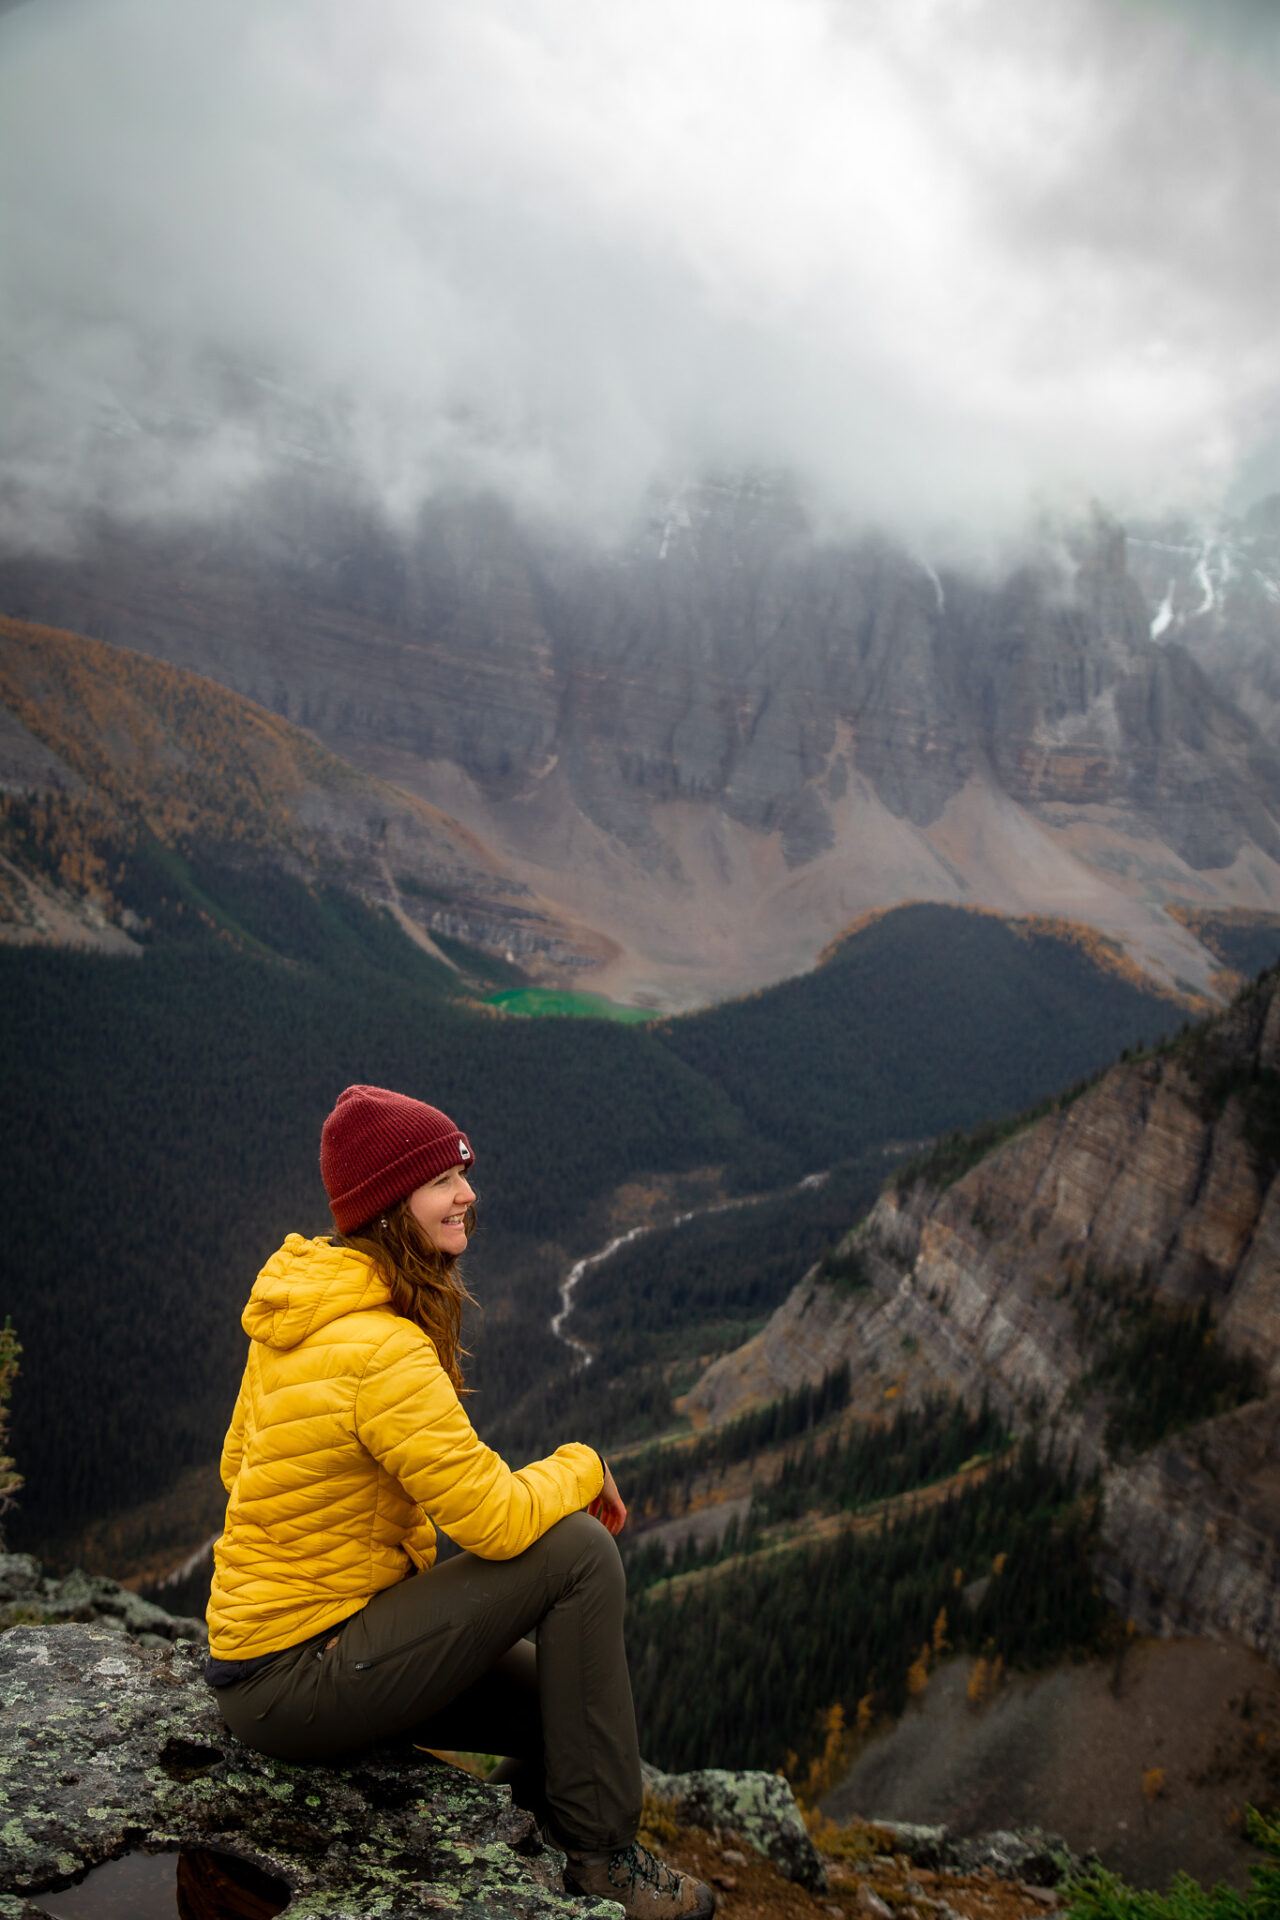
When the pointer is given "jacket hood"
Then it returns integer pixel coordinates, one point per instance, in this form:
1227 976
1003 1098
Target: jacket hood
305 1286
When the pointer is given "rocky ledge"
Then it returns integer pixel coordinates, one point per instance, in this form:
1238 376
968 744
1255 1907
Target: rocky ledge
108 1746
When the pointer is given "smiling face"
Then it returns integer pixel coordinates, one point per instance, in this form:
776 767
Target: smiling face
440 1208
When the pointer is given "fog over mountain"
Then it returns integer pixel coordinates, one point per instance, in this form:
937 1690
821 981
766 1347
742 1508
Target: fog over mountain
949 261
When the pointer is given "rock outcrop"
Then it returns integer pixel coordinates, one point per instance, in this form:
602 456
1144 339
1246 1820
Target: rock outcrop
1037 1858
107 1745
759 1806
28 1595
1156 1189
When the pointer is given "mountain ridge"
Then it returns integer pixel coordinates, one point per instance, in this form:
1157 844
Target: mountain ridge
719 743
1151 1196
103 750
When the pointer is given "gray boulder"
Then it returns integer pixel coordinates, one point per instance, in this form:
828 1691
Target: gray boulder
924 1846
759 1806
29 1596
19 1576
1039 1859
1030 1856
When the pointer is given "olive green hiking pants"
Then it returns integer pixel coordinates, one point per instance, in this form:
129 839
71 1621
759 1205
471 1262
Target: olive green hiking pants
442 1656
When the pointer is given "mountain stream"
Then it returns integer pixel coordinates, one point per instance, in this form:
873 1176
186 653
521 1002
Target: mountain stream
583 1355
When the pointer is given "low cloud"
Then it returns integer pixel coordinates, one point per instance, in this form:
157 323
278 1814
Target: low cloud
948 260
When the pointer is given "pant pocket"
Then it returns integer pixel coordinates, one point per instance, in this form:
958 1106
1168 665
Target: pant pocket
404 1646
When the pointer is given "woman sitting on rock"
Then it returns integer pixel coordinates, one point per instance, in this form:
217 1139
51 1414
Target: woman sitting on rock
329 1626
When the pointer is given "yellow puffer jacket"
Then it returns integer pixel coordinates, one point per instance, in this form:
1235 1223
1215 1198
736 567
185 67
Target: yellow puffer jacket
346 1434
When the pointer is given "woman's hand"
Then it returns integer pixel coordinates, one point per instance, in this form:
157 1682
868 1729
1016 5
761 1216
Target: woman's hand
607 1506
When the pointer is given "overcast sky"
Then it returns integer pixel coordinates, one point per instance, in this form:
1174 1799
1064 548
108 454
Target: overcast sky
950 260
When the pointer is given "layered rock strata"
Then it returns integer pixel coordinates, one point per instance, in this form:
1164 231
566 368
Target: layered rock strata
1158 1186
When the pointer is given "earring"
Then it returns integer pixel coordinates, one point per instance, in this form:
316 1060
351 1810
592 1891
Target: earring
384 1223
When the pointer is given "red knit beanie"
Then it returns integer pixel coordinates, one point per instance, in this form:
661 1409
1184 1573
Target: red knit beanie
376 1147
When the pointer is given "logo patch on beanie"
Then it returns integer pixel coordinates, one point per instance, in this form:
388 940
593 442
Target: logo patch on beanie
464 1151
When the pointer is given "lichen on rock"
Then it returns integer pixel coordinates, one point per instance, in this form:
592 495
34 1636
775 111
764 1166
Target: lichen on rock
760 1806
106 1745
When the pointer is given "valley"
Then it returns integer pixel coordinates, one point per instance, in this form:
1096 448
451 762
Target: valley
183 1077
893 1300
1100 1276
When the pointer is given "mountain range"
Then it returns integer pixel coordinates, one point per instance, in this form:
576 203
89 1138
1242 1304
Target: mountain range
699 756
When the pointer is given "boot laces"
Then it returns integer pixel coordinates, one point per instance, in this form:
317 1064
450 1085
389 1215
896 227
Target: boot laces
635 1863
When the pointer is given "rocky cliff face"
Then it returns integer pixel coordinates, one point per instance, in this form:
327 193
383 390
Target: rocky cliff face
1153 1192
1215 590
723 740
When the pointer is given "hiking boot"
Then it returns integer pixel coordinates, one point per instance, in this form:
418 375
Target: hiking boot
645 1887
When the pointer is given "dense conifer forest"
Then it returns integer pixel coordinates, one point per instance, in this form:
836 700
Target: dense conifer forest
846 1473
659 1480
160 1138
889 1025
735 1665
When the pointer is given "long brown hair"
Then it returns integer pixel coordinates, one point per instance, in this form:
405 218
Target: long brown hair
426 1286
